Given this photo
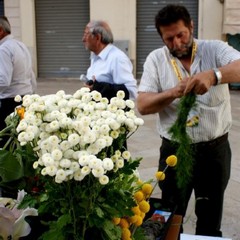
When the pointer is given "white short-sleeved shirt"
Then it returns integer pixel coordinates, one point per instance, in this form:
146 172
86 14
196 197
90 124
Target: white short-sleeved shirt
213 108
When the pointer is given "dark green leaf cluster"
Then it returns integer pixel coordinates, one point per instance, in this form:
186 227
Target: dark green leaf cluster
180 136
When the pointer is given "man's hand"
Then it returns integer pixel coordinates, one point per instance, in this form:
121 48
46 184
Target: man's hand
200 82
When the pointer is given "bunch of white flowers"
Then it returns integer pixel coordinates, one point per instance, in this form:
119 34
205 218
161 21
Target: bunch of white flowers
68 132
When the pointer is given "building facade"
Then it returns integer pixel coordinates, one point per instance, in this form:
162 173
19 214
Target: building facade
53 29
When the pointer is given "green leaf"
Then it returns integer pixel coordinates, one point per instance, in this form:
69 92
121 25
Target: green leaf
10 168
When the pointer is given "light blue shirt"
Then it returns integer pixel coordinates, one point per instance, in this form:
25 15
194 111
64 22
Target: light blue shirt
16 74
113 66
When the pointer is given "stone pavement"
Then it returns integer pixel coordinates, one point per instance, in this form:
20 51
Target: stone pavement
145 143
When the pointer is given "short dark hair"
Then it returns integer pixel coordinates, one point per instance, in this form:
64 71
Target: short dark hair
171 14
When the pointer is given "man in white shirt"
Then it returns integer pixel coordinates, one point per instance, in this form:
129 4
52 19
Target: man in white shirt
110 69
16 74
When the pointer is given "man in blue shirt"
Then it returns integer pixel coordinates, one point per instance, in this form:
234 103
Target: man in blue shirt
110 68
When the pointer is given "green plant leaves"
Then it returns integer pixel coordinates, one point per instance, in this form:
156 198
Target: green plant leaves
10 167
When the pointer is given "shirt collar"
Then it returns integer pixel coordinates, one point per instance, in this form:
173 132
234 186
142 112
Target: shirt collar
9 36
104 53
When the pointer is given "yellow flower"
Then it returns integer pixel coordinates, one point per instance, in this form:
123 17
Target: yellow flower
171 161
160 176
126 234
138 196
139 221
136 210
144 206
132 219
116 220
123 223
20 112
147 189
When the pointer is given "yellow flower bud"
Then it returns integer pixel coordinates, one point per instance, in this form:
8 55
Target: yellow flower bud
138 196
171 161
116 220
139 221
144 206
160 176
126 234
124 223
136 210
147 189
132 219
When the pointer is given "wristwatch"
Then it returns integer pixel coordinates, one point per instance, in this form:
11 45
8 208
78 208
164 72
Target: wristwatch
218 76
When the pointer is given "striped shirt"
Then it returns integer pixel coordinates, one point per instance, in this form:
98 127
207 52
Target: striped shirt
213 108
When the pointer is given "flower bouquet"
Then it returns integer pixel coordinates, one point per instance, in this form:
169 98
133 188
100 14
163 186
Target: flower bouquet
68 153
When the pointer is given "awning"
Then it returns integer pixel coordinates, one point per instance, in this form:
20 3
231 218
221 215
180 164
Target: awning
231 17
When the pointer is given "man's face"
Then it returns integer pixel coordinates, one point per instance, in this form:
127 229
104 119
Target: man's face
89 40
178 38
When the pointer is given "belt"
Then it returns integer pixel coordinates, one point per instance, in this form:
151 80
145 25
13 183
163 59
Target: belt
211 143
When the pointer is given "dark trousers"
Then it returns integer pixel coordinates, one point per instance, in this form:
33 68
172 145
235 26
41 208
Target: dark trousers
210 178
7 106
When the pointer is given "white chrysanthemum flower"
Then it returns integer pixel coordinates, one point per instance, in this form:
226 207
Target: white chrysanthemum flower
21 126
33 129
47 160
118 153
112 108
18 98
100 143
35 165
44 171
139 121
126 155
104 128
96 95
98 172
27 100
29 136
62 103
95 162
83 160
100 106
65 145
121 94
56 154
85 170
74 166
29 117
104 179
108 164
53 140
130 104
51 170
73 139
121 118
130 123
119 163
65 163
108 139
87 97
89 137
114 134
93 149
60 175
68 154
66 122
78 176
66 110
